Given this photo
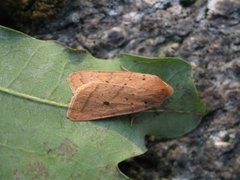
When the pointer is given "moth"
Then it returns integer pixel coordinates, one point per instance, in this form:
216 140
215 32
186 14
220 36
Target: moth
102 94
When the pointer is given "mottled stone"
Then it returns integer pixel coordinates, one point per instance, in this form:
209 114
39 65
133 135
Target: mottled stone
223 7
28 13
116 36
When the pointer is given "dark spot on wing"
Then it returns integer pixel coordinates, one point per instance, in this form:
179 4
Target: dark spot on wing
106 103
146 104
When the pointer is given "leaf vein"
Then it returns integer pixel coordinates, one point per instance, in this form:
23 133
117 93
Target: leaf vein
21 149
177 72
32 98
24 67
59 80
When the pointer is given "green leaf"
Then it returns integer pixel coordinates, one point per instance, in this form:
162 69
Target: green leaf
37 141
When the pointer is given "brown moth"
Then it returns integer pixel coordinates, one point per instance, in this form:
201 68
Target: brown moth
102 94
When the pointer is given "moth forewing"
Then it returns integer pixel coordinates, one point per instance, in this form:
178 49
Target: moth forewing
96 100
121 78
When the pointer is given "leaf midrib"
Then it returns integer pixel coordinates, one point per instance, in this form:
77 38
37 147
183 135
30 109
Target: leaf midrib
62 105
32 98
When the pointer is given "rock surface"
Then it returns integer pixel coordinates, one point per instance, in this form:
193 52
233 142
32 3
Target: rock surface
204 32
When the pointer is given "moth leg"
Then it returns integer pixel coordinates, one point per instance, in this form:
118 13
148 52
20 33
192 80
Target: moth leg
123 68
131 119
